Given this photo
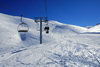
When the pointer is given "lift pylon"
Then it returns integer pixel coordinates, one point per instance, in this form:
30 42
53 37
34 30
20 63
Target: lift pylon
41 20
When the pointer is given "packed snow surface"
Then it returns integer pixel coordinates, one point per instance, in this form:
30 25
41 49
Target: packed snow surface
65 46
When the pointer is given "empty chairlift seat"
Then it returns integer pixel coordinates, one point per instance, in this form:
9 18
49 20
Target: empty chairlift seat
23 27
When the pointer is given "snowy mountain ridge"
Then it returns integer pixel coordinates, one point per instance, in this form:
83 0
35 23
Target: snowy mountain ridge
64 46
95 29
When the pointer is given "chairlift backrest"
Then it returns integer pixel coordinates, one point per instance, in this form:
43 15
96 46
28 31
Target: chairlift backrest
46 28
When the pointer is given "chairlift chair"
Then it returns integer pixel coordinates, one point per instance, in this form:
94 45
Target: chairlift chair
46 29
47 26
23 27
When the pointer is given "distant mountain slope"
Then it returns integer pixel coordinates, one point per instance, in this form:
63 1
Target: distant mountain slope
95 29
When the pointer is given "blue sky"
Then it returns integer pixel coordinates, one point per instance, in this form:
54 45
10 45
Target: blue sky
76 12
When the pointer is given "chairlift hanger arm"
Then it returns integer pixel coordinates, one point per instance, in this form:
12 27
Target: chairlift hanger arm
22 18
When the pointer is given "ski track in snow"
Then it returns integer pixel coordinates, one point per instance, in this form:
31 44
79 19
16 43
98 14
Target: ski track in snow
65 45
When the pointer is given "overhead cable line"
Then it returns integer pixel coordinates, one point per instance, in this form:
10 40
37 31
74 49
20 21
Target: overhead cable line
46 10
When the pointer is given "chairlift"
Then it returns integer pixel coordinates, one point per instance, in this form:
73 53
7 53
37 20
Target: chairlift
22 27
46 28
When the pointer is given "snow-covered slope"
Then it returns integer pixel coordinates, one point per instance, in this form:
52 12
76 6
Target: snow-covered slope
66 28
64 46
95 29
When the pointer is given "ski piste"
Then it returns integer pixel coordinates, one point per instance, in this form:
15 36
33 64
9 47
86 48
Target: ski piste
65 46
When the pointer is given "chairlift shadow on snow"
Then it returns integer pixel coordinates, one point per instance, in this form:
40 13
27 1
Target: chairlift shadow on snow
23 36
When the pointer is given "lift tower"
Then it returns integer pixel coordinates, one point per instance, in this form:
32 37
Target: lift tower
41 20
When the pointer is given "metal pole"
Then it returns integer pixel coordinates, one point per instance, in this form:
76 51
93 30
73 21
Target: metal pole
41 30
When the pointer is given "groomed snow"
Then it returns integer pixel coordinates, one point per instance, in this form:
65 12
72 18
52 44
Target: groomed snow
65 46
